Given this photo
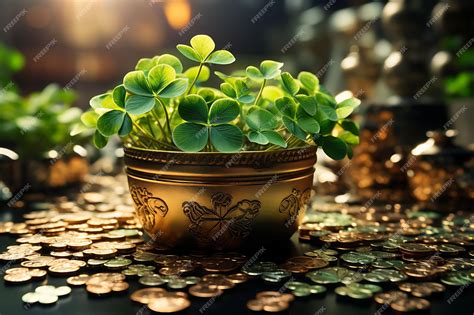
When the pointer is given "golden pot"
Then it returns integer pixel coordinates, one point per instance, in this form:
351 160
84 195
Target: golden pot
216 200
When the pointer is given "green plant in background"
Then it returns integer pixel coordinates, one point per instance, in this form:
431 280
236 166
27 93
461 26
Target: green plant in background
161 106
11 61
38 123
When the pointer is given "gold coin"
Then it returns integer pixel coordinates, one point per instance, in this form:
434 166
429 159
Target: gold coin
98 289
78 280
144 296
389 296
120 286
168 304
275 306
410 304
237 277
17 277
204 290
255 305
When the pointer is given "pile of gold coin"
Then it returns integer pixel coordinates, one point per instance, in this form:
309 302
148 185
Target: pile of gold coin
357 252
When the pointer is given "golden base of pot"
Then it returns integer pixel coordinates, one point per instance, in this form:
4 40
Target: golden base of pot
220 201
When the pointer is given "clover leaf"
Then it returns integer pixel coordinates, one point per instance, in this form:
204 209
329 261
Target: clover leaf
289 83
346 107
146 64
238 90
262 124
202 51
204 124
268 69
296 116
309 81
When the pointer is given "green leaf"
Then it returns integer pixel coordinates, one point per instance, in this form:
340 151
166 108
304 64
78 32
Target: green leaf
346 107
308 123
334 147
289 83
119 95
89 119
135 82
246 99
349 138
221 57
223 110
189 53
98 100
308 103
309 81
286 106
193 108
270 69
207 94
203 45
137 104
203 75
126 127
100 140
160 76
257 137
190 137
293 128
326 126
261 119
228 90
275 138
272 93
174 89
171 61
254 73
226 138
350 126
109 123
145 64
328 111
350 153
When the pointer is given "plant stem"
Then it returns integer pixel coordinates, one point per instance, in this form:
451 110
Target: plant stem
150 126
260 92
195 78
149 137
159 124
166 115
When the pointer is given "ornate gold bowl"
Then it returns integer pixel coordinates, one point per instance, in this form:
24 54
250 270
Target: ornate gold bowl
220 200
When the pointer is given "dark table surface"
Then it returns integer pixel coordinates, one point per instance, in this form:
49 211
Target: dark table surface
231 302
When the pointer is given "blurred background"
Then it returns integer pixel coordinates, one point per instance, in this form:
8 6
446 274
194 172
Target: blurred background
410 61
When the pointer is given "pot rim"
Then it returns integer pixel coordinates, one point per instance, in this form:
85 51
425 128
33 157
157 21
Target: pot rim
256 159
306 147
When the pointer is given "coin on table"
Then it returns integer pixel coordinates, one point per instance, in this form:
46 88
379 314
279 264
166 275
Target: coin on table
144 296
168 304
389 296
194 280
255 305
237 277
98 289
37 273
204 290
217 280
78 280
17 277
410 304
46 289
30 297
62 290
177 283
151 280
120 286
47 298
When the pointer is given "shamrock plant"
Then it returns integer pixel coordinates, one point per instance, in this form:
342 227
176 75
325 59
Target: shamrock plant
160 105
